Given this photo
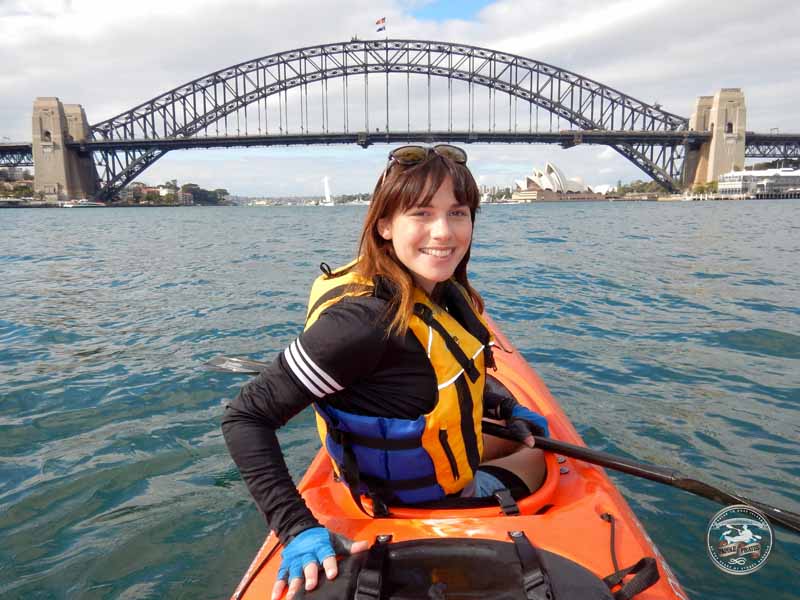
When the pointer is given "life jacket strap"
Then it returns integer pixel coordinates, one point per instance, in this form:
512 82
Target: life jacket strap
376 485
352 478
426 314
336 292
375 443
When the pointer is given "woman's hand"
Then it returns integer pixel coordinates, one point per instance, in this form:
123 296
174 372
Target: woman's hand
305 553
524 424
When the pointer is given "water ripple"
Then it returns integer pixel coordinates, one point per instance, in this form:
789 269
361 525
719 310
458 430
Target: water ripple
669 334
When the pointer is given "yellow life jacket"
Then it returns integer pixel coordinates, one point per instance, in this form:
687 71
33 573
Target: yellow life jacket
437 454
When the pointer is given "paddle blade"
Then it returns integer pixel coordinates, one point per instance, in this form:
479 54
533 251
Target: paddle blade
778 516
232 364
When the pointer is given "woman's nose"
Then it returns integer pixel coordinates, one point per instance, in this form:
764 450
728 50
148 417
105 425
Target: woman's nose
441 228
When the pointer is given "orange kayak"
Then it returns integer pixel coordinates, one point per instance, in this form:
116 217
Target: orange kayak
449 552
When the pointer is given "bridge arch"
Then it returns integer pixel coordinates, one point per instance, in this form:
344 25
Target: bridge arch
192 108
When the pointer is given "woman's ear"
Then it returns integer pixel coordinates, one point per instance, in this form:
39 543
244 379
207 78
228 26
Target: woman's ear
385 228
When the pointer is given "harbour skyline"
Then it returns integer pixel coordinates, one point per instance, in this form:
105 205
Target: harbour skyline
690 60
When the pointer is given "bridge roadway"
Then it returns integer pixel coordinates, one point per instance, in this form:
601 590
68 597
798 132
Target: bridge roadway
757 145
567 138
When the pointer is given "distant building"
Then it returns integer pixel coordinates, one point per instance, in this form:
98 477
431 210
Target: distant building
551 184
765 182
184 198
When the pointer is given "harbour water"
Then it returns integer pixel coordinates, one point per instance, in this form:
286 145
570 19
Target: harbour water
669 332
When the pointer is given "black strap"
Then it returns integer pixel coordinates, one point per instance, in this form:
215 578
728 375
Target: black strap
375 443
349 470
507 503
459 306
645 571
426 314
370 579
535 580
378 485
382 486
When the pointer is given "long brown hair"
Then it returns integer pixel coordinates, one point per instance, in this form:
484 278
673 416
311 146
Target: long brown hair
399 189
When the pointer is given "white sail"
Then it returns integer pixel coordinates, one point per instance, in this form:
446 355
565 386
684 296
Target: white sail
328 201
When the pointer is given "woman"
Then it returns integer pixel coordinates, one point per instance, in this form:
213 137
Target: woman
393 358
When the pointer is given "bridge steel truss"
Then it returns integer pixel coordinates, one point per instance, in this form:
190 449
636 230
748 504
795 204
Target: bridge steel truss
16 155
210 102
772 145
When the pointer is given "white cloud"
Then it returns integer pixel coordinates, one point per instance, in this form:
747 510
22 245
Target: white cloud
606 153
110 56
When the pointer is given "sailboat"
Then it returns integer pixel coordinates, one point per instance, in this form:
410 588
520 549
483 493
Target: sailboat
328 201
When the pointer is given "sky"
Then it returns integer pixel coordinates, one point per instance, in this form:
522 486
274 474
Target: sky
111 56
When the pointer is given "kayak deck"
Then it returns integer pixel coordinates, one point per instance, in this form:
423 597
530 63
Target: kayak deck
564 516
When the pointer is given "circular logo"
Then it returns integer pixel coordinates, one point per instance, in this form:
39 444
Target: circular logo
739 539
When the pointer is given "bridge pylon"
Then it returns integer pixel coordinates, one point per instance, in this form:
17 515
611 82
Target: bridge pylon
61 173
724 115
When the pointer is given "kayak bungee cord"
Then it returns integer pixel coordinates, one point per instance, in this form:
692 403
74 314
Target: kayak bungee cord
665 475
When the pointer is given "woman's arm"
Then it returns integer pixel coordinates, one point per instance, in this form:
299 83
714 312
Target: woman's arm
249 424
343 345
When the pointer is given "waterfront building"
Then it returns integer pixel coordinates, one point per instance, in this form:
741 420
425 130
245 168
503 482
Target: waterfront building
550 184
764 183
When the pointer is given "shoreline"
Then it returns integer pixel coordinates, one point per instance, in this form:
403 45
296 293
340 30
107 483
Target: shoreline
11 203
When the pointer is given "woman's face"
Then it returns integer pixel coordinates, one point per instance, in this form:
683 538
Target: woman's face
430 240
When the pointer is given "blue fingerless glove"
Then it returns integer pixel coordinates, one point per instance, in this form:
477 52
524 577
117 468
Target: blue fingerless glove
312 545
524 422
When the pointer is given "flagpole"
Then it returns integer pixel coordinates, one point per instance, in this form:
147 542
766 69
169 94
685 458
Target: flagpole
387 83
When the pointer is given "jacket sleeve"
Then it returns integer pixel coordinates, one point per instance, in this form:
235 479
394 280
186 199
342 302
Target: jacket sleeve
343 345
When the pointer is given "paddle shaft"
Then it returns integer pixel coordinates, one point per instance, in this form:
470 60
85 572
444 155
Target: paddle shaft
663 475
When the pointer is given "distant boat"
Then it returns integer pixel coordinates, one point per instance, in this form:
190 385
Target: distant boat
83 203
328 201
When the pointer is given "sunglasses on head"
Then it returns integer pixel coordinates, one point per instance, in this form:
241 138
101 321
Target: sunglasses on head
414 154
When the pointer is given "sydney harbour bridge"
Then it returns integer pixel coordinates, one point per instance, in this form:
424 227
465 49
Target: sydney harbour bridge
388 91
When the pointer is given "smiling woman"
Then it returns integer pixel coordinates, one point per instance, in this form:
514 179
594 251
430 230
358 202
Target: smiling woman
430 240
393 359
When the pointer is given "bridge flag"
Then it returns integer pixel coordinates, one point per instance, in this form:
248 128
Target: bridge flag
381 23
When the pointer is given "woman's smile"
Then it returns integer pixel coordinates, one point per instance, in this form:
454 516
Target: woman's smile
438 252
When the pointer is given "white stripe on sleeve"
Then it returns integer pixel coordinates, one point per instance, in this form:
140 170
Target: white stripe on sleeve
316 369
300 374
308 370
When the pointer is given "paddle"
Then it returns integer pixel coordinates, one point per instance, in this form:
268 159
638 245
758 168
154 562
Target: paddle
230 364
663 475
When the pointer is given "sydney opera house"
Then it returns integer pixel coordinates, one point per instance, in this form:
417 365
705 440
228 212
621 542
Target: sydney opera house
550 184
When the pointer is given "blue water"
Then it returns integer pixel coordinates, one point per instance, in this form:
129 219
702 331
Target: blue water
669 332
